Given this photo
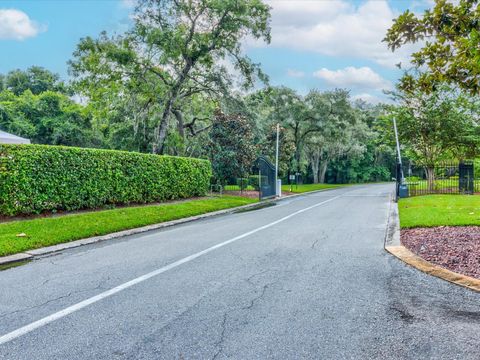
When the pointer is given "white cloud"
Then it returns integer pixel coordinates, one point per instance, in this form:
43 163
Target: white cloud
16 25
336 28
369 98
128 4
295 73
352 77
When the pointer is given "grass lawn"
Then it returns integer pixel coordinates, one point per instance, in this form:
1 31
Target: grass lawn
439 210
42 232
310 187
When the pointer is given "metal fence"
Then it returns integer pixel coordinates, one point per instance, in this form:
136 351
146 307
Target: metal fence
443 178
266 177
260 182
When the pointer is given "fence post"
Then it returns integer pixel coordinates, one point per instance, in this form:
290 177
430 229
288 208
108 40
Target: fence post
259 184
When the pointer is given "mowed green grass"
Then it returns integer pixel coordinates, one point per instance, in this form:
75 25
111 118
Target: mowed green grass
310 187
439 210
42 232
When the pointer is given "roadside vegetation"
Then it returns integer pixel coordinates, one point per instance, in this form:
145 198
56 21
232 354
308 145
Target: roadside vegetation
22 235
439 210
163 87
39 178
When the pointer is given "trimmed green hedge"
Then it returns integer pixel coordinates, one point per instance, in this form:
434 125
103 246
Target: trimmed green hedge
38 178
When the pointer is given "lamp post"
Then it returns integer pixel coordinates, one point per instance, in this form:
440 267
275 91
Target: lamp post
402 179
278 191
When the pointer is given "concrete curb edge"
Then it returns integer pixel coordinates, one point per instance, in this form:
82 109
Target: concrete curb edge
408 257
395 248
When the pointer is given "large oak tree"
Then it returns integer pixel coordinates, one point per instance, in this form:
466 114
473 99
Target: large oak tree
175 50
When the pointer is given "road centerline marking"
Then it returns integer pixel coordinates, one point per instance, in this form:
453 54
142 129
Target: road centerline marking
78 306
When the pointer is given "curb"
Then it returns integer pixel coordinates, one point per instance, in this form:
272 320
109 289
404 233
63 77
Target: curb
31 254
408 257
395 248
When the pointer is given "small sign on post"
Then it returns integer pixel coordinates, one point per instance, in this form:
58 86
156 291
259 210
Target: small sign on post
291 177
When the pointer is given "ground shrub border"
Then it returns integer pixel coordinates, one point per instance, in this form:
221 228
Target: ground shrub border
43 178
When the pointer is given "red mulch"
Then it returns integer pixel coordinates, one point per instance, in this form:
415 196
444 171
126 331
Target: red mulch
245 193
251 194
456 248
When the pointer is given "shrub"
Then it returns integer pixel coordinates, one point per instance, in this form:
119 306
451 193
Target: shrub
242 183
254 180
37 178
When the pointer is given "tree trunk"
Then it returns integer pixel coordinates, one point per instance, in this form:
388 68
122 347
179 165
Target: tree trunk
180 124
323 171
162 135
430 171
161 130
315 161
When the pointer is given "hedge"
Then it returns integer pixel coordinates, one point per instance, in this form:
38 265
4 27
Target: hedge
39 178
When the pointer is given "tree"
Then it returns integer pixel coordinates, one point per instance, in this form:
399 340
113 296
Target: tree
436 126
231 148
332 116
48 118
451 51
283 105
36 79
174 49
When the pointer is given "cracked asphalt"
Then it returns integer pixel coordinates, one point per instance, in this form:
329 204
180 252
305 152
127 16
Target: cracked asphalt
316 286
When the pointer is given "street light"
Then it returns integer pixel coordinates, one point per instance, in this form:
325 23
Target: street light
277 187
402 188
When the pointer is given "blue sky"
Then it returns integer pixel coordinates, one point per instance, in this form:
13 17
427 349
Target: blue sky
315 44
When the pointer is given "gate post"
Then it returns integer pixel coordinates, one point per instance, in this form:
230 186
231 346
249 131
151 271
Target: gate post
397 181
259 184
465 178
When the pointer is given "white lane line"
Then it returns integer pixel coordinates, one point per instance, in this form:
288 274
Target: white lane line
71 309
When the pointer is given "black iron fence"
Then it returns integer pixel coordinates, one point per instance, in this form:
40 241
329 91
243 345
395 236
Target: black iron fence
266 177
260 183
443 178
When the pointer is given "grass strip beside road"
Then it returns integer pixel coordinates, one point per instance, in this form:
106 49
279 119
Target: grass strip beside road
41 232
310 187
439 210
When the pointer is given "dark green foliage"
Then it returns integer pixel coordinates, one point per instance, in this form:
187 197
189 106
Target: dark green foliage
37 178
449 35
36 79
253 180
48 118
231 149
242 183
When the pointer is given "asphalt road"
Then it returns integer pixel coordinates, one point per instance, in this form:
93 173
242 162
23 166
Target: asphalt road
305 279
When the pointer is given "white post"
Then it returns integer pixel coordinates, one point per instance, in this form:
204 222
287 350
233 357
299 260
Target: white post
278 191
398 150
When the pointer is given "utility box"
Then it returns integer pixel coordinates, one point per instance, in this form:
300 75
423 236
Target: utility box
402 191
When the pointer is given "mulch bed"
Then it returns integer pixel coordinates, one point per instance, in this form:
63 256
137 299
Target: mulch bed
245 193
456 248
251 193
